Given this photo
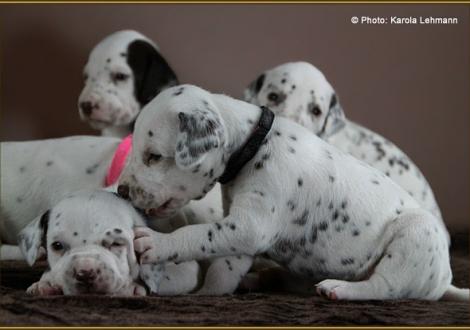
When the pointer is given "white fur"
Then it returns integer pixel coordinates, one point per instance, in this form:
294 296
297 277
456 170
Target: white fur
302 87
317 211
94 230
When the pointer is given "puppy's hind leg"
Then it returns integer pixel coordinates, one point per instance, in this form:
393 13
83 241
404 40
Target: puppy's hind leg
414 264
224 275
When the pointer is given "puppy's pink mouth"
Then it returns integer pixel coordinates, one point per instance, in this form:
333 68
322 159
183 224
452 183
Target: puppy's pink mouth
162 210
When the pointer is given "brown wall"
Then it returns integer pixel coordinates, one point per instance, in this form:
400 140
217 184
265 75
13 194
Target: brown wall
408 82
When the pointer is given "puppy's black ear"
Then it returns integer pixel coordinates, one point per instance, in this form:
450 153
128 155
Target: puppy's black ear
253 88
32 239
335 120
151 71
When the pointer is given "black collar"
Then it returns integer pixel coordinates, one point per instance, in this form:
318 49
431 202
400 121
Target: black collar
243 155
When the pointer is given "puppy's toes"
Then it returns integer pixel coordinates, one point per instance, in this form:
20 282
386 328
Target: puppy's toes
43 288
139 290
143 244
333 289
142 232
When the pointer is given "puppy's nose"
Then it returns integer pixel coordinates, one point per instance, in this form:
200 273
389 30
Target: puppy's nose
123 191
87 108
85 275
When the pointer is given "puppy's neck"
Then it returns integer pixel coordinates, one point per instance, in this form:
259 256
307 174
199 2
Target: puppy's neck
240 119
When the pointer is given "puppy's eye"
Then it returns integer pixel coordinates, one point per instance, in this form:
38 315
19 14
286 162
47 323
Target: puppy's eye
119 76
116 244
316 111
152 158
273 97
57 246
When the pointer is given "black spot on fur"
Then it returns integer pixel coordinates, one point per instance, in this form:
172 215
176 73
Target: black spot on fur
291 205
356 232
232 226
92 169
347 261
323 226
150 133
300 182
49 163
331 178
302 220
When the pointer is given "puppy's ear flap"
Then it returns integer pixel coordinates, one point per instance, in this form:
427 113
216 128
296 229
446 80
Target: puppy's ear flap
32 239
151 71
200 131
253 88
335 119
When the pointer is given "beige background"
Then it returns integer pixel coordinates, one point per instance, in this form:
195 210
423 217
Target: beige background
408 82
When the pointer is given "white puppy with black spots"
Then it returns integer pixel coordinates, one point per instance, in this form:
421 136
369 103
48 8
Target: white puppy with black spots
88 237
319 212
300 92
123 73
36 175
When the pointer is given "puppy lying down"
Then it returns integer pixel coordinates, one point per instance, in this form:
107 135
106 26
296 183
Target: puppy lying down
88 237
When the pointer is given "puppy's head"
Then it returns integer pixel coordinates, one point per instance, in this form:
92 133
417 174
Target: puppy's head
177 152
89 243
123 73
300 92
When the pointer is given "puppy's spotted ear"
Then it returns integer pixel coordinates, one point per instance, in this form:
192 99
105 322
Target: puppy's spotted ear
200 131
335 119
253 88
151 71
32 239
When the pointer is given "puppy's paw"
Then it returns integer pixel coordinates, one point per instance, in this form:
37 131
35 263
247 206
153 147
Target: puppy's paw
139 290
145 245
333 289
44 288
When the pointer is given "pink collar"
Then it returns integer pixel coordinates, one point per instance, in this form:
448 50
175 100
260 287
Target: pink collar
119 160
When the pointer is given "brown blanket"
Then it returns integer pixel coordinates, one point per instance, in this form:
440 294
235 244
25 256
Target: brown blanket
240 309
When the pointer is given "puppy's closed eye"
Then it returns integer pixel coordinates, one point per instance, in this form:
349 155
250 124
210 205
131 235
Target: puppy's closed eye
151 158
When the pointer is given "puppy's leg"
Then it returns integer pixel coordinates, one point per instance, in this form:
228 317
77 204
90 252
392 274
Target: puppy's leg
179 279
414 264
224 274
246 231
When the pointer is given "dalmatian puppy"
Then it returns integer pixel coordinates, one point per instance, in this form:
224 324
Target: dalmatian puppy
89 241
312 208
300 92
36 175
124 72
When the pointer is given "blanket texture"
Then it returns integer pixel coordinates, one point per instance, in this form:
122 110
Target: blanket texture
263 308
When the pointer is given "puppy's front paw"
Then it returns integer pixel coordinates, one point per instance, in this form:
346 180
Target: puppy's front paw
145 245
139 290
44 288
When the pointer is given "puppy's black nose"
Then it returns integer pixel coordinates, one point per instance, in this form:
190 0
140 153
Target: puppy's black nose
85 275
123 191
87 108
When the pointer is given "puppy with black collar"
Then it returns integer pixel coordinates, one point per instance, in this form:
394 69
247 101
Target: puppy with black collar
319 212
300 92
123 73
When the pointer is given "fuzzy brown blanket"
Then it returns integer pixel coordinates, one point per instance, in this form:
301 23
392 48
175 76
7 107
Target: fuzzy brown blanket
239 309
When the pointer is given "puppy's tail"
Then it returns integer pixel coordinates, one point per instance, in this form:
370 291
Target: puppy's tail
456 294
